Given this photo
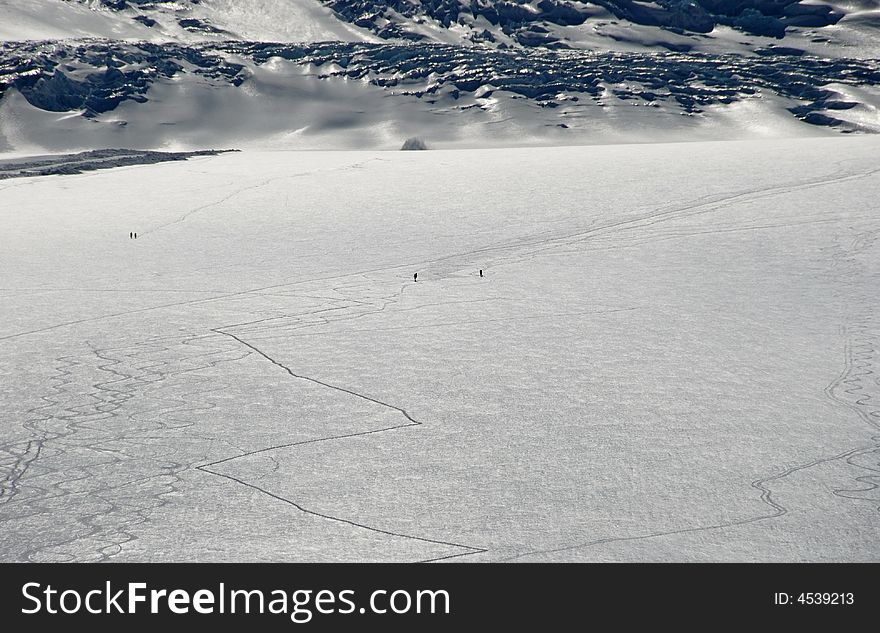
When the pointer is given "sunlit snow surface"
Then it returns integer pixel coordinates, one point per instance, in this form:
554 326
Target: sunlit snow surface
359 74
86 94
671 356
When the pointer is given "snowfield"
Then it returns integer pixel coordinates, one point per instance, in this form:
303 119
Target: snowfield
672 356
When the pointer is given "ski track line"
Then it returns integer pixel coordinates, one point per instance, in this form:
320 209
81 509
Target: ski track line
851 388
853 362
152 346
92 535
850 382
258 185
759 484
692 210
410 422
550 243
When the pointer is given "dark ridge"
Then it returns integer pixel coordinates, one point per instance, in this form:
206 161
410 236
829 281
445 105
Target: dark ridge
65 164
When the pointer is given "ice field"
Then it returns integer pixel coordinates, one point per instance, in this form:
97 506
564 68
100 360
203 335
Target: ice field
671 356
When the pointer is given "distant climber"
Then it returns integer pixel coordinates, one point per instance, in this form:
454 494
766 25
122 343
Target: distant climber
130 235
415 276
481 272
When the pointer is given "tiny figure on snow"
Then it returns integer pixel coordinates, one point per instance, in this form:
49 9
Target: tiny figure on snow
415 276
481 272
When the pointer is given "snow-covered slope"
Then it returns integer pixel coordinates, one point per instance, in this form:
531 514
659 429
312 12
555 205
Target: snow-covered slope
701 25
97 94
185 74
670 356
181 20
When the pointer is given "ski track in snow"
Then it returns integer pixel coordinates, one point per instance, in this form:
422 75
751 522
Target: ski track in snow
849 389
83 428
410 421
258 185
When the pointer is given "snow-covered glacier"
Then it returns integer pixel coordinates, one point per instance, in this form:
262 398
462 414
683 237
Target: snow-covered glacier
622 308
243 82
